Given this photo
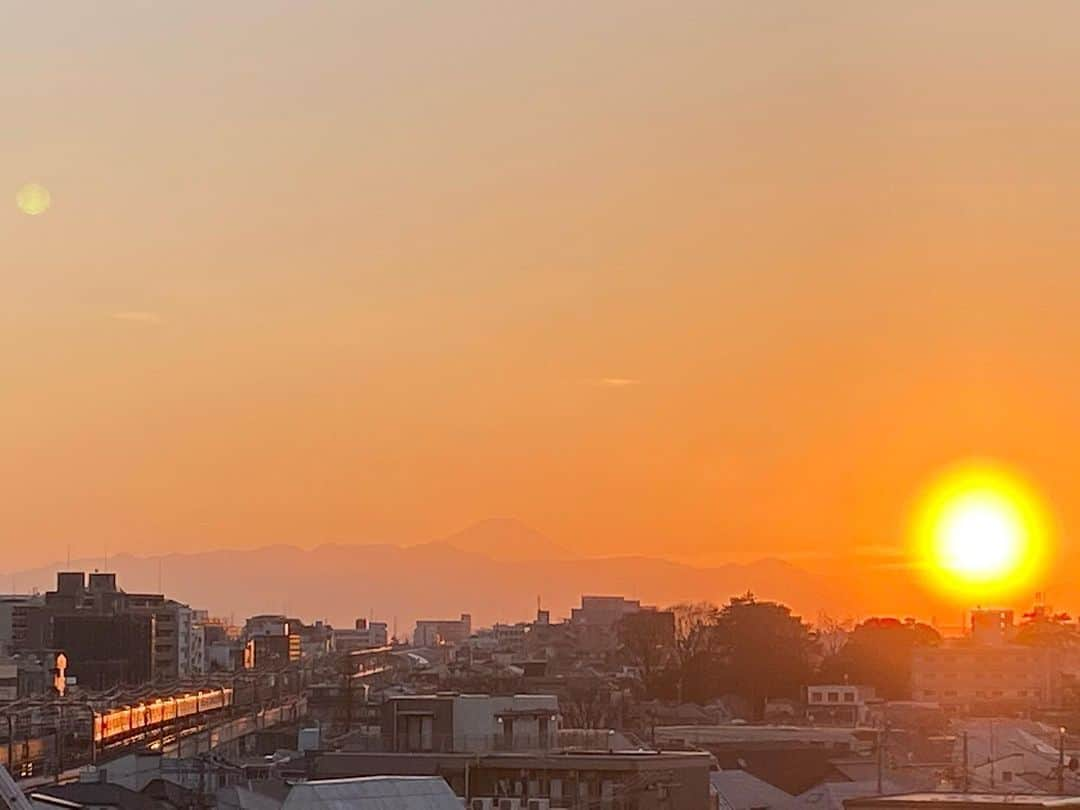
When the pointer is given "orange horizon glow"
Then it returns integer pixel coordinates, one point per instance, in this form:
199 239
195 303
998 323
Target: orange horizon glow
706 282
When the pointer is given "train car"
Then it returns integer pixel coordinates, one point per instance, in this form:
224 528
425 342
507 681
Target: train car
168 710
187 705
212 701
155 713
115 724
138 717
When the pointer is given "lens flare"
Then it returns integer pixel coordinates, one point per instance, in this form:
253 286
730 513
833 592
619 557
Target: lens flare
981 531
33 199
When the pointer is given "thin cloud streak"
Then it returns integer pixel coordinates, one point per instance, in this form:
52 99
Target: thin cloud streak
138 317
615 382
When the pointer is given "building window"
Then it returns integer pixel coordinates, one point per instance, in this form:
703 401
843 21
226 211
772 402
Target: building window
849 697
414 732
950 693
928 693
834 697
815 697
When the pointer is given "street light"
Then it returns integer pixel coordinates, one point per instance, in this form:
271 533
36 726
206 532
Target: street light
1061 761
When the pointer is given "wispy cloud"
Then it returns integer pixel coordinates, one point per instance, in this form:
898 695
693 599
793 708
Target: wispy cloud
138 317
614 382
881 551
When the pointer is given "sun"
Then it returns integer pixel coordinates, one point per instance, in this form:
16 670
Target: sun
981 531
980 536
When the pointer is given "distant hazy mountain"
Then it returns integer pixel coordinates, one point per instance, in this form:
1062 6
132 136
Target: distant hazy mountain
342 582
508 539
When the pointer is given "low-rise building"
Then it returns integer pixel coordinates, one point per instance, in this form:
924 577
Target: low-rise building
843 704
578 780
961 674
433 632
964 801
364 635
456 723
510 636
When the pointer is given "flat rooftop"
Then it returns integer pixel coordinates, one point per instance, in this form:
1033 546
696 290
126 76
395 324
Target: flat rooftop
977 799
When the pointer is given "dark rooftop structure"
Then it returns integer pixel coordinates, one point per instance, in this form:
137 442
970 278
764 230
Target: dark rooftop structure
93 795
959 801
646 780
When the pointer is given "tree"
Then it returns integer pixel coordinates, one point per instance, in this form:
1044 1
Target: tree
764 650
878 653
647 638
831 634
1043 629
694 647
586 704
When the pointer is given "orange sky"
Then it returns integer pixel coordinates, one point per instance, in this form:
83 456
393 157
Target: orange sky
355 271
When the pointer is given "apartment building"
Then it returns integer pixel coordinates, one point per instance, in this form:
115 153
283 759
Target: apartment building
469 723
987 667
433 632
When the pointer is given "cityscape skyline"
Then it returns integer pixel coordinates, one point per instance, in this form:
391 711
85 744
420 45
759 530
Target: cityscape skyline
619 405
503 567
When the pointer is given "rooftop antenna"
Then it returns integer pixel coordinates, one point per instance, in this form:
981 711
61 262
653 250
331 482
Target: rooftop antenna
69 556
159 588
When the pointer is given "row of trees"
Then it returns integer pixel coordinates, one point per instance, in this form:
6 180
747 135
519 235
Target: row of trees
758 650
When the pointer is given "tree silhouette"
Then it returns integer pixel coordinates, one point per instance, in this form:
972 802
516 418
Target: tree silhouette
878 653
647 638
764 650
694 648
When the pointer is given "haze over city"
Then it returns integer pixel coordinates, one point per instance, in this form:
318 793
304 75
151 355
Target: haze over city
712 286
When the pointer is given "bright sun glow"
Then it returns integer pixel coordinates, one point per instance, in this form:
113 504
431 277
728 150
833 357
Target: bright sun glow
981 531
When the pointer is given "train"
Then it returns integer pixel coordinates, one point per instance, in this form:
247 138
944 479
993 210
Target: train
116 724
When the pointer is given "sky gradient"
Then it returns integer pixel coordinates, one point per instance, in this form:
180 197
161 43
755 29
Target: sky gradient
706 280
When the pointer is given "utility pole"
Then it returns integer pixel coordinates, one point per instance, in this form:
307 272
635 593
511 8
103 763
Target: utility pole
881 758
991 755
964 774
348 693
11 743
59 741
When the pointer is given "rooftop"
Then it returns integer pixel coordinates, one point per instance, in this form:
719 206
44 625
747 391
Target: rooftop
374 793
979 799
